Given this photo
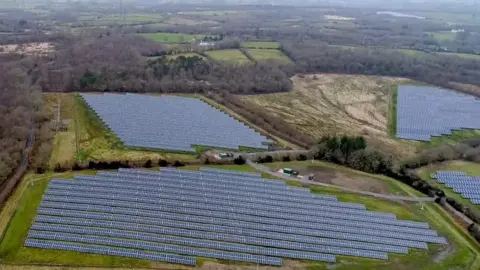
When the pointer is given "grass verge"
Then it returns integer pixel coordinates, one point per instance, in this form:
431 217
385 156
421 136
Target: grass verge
392 112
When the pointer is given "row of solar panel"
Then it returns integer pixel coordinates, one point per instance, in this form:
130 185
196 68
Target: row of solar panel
171 258
298 237
445 113
200 189
199 243
122 179
320 231
156 247
155 181
278 185
180 127
226 219
255 209
199 234
318 246
170 191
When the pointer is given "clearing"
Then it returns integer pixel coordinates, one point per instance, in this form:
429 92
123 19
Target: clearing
172 38
269 54
341 176
444 36
16 217
35 48
332 104
261 44
173 56
230 55
462 55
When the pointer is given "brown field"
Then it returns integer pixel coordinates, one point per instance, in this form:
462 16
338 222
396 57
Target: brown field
331 104
28 48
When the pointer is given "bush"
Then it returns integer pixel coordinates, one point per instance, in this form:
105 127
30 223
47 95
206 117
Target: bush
302 157
178 164
239 160
163 163
286 159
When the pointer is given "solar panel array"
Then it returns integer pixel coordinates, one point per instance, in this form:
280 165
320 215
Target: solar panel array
460 182
175 215
423 112
171 123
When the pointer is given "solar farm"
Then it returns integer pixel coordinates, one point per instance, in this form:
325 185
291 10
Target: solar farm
467 186
176 216
424 112
171 123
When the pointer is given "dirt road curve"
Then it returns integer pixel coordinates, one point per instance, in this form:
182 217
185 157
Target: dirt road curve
308 182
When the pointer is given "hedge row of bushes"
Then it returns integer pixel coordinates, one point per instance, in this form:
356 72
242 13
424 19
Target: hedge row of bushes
114 165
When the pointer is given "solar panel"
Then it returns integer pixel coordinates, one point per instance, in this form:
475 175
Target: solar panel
424 112
171 122
460 182
215 214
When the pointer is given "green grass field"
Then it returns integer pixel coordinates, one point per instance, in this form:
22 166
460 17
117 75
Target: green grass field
210 12
462 252
392 113
174 56
269 54
171 38
462 18
230 55
462 55
444 35
260 44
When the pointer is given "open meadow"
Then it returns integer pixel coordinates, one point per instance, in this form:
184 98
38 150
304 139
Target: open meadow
269 54
171 38
329 104
230 55
260 44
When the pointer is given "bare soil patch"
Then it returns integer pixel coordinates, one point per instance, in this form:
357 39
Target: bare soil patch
338 178
36 48
334 104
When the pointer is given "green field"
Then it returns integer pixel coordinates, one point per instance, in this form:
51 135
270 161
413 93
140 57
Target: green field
462 252
260 44
450 17
444 36
462 55
269 54
171 38
210 12
174 56
230 55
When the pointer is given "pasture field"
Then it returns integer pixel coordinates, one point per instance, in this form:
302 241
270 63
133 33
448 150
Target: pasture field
451 17
331 104
230 55
461 252
444 36
260 44
463 55
470 168
210 12
171 38
174 56
269 54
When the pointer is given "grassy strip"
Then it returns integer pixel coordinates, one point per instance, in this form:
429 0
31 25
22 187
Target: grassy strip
392 112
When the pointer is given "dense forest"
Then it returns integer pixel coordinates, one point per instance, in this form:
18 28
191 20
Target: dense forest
19 103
